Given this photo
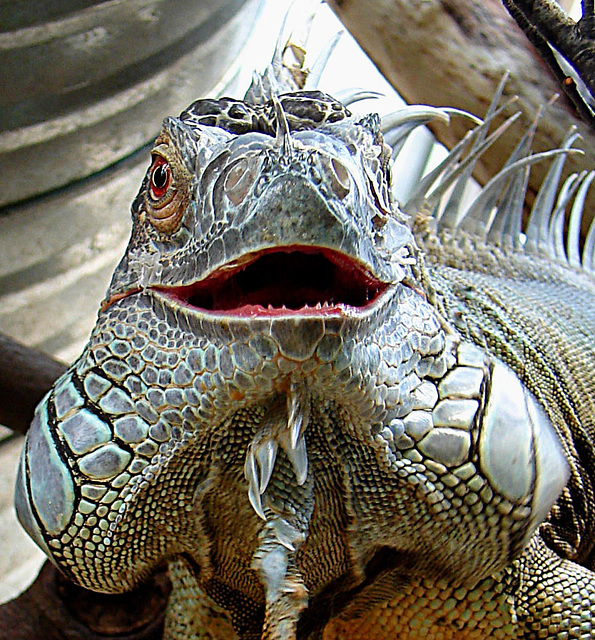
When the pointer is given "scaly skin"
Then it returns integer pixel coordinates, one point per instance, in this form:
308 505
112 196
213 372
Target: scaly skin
351 466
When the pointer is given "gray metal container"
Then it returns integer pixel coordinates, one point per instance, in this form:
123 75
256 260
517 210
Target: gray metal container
83 84
83 87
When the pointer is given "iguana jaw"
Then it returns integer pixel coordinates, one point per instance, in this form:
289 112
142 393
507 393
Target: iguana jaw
286 281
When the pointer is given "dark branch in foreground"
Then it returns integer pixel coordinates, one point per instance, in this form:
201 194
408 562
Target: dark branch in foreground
53 608
26 375
566 46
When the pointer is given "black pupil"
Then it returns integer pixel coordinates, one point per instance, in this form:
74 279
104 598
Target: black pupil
160 176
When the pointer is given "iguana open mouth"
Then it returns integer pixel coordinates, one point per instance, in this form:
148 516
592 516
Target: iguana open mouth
283 281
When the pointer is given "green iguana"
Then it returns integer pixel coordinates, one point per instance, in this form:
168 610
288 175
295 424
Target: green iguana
331 416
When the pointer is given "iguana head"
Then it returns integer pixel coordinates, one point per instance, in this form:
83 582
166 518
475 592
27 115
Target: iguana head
265 210
269 395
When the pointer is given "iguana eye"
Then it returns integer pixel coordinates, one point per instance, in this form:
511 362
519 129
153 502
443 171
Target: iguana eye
160 178
168 188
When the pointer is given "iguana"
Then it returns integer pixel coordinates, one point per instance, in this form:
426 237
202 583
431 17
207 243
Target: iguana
330 415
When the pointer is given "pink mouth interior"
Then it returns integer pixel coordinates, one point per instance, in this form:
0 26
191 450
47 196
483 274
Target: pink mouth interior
294 280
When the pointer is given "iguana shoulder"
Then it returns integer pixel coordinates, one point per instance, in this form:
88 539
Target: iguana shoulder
533 309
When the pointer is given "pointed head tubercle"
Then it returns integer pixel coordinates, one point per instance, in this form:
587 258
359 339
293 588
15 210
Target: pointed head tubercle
283 134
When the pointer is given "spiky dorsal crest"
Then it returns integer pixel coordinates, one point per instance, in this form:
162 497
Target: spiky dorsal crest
495 216
287 70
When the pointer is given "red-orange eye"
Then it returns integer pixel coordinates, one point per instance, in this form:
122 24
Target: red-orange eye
160 178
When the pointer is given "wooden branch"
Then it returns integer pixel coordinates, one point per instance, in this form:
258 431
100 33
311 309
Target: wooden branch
53 608
26 375
454 53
